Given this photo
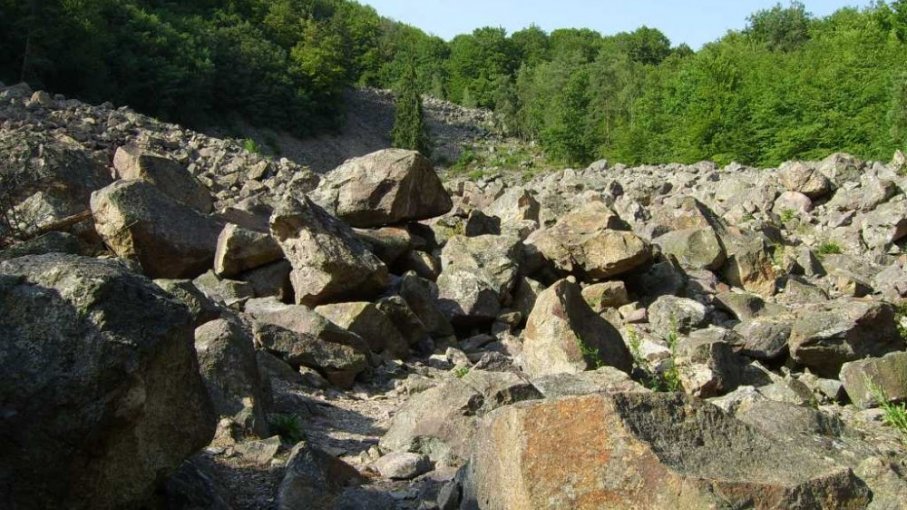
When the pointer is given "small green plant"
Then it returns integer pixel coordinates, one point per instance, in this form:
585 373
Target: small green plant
460 372
900 318
250 145
778 255
288 427
635 342
590 354
788 215
671 376
894 415
829 248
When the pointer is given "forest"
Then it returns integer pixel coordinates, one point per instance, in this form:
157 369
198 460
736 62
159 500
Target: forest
790 85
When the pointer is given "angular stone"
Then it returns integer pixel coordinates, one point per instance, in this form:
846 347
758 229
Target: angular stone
314 480
94 359
591 241
749 265
707 364
644 450
887 375
600 296
422 297
602 380
226 357
826 336
695 248
802 178
564 335
240 249
675 314
369 322
168 239
383 188
200 307
329 262
388 243
764 338
168 176
403 465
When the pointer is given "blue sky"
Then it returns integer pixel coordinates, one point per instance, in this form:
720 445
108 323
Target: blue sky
694 22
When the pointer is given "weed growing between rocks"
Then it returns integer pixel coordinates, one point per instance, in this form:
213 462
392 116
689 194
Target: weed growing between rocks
460 372
288 427
895 415
829 248
667 380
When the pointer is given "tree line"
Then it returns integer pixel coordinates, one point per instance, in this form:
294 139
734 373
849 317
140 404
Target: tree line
790 85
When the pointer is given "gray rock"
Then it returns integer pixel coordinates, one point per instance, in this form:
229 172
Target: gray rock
600 296
168 176
826 336
675 314
383 188
226 357
403 465
422 297
695 248
369 322
94 359
239 250
168 239
564 335
803 178
764 338
314 480
329 262
866 378
601 380
200 306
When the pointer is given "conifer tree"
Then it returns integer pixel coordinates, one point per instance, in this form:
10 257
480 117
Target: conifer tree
409 128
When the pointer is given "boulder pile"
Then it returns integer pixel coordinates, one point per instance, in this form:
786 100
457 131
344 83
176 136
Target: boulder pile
384 337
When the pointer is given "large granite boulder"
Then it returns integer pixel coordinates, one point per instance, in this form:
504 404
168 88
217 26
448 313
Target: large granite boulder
564 335
591 241
168 239
644 450
383 188
825 336
329 262
167 175
99 384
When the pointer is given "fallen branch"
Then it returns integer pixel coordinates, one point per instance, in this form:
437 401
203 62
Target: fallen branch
63 224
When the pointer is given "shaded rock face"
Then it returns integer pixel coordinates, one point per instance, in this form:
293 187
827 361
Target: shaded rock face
329 262
168 239
314 480
635 450
564 335
383 188
97 370
825 337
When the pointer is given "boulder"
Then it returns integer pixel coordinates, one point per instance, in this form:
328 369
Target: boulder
168 239
764 338
600 296
314 480
229 293
97 370
440 422
478 277
422 297
200 307
383 188
369 322
226 357
805 179
886 225
403 465
329 262
825 336
750 265
564 335
644 450
602 380
240 249
387 243
867 379
167 175
672 314
695 248
706 362
592 242
301 337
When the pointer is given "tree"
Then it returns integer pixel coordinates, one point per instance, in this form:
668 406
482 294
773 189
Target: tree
781 28
409 128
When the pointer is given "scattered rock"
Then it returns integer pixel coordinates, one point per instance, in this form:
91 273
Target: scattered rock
866 379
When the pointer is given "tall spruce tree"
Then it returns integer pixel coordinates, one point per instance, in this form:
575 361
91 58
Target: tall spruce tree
409 127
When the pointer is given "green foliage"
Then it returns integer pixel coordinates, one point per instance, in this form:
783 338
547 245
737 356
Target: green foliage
460 372
788 215
829 248
288 427
670 378
590 354
250 145
667 380
409 128
894 415
901 320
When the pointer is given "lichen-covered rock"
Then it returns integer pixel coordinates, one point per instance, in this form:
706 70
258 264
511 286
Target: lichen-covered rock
329 262
383 188
168 239
97 370
644 450
167 175
696 248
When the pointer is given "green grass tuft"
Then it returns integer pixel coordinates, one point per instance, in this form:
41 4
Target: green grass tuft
288 427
